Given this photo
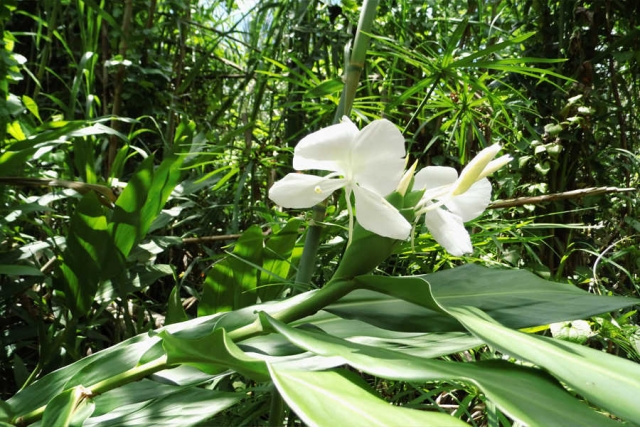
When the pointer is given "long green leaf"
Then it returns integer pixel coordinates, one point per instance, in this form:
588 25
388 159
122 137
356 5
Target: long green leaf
526 394
142 200
276 262
89 250
184 406
231 283
332 398
515 298
605 380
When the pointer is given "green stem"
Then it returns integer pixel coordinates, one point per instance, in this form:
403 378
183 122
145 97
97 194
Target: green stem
276 408
352 76
133 374
358 55
312 242
330 293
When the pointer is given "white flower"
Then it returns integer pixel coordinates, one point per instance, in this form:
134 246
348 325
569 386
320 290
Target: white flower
449 201
368 163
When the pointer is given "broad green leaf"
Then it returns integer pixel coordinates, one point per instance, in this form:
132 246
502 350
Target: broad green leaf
276 262
88 255
213 353
339 397
231 283
515 298
175 310
607 381
218 290
70 407
127 220
245 260
185 406
142 200
518 298
527 394
20 270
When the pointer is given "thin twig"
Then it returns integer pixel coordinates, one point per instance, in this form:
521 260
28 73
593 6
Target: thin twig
573 194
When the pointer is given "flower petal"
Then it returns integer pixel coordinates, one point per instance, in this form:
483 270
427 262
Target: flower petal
448 230
471 204
297 190
434 177
327 149
377 159
377 215
496 164
472 172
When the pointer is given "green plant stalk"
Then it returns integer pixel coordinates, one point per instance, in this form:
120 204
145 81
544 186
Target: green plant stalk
356 61
276 408
353 70
330 293
133 374
311 244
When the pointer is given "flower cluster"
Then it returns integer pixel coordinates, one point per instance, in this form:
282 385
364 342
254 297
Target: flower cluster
369 164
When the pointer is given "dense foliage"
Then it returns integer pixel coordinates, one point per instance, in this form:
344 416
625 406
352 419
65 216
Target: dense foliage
138 142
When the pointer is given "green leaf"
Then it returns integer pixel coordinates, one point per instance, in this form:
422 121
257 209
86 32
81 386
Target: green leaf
325 88
330 398
20 270
70 407
15 130
607 381
142 200
213 353
148 403
526 394
246 257
175 310
277 260
231 283
6 414
515 298
218 290
31 105
88 256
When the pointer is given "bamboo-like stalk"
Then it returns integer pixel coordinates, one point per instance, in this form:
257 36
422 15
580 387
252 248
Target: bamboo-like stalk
351 79
354 67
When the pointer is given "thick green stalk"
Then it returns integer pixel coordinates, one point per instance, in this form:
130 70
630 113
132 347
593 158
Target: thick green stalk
358 54
276 408
330 293
312 242
352 76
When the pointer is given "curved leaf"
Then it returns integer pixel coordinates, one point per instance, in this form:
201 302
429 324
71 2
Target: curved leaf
328 398
526 394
